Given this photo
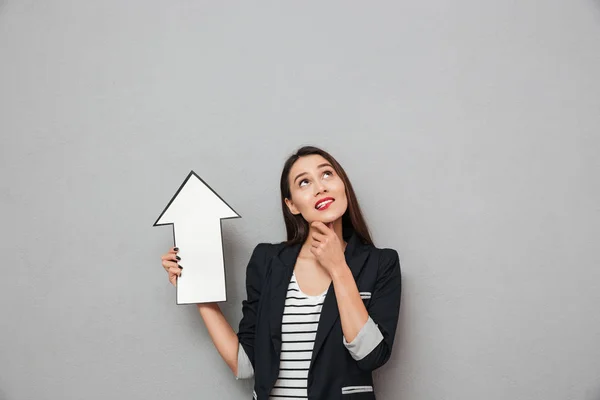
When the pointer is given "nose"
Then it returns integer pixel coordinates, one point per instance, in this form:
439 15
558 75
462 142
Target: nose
320 188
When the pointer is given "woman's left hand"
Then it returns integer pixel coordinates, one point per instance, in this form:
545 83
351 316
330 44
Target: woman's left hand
327 247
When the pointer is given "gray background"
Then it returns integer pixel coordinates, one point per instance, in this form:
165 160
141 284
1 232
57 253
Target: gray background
469 129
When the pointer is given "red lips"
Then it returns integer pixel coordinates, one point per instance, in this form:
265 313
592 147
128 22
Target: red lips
323 200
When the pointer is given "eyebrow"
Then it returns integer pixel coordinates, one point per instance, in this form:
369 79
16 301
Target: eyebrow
320 166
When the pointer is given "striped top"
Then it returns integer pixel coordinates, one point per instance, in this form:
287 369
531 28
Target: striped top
298 331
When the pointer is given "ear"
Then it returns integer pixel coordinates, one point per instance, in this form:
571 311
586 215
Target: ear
291 207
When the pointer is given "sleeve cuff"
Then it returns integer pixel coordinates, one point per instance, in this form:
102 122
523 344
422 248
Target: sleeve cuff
244 370
367 339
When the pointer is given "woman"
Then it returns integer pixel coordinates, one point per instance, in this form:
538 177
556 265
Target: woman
322 307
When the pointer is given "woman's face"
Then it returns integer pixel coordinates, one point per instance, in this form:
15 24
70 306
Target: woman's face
317 192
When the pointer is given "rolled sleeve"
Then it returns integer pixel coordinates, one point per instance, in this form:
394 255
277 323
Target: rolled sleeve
384 309
365 341
244 367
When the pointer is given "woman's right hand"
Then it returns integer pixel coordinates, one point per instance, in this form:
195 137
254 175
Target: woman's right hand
169 263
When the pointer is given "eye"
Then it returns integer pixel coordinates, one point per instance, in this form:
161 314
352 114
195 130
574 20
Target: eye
327 173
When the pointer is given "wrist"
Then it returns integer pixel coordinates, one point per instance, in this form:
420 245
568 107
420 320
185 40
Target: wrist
339 271
207 306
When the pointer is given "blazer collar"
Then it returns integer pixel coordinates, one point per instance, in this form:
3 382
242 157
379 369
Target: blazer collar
356 255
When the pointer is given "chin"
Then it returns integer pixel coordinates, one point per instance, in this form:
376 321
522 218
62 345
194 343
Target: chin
329 218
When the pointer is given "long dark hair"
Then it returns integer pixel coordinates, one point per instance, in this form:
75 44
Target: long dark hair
296 226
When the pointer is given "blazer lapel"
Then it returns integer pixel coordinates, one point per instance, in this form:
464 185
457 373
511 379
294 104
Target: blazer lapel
281 273
356 256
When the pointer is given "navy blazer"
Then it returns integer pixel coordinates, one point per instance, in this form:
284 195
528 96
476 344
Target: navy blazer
333 373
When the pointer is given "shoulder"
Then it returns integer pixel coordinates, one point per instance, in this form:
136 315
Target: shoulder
261 257
264 251
387 258
259 260
387 255
268 245
260 252
261 248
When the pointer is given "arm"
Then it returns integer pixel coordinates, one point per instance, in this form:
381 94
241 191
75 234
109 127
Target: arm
353 313
236 349
369 334
221 333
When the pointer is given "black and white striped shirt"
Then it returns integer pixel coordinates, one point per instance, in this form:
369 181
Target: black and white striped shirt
298 331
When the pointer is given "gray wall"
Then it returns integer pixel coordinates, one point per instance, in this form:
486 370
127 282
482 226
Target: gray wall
469 129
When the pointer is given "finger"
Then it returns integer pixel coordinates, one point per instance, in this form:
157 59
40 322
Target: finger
173 249
169 264
173 278
175 271
332 230
315 244
170 256
318 236
321 227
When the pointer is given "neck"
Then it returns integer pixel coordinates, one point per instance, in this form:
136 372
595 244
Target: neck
337 228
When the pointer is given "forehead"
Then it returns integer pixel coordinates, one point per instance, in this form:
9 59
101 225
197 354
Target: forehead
307 164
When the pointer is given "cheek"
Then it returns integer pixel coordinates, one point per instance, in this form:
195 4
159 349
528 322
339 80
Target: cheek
345 202
341 189
304 202
343 196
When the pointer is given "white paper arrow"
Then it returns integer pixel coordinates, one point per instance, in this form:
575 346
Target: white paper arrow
196 211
